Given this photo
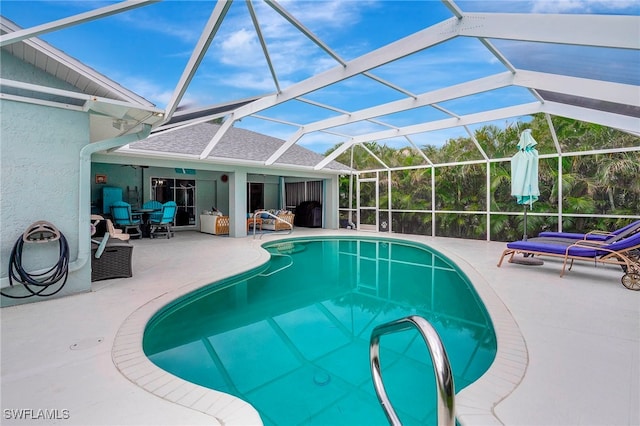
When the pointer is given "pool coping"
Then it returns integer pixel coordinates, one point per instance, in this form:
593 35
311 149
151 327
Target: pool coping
474 405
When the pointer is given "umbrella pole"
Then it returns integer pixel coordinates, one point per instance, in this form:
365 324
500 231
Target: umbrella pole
526 259
524 236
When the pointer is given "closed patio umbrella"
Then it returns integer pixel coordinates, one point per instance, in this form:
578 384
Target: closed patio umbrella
524 174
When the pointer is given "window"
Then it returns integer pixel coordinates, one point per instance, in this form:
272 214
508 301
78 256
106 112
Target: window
182 191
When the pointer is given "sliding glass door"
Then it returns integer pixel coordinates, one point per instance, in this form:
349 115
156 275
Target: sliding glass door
182 191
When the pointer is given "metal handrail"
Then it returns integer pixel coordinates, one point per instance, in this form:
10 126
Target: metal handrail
441 367
278 219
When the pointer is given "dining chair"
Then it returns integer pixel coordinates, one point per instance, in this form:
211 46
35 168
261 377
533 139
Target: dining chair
123 219
163 225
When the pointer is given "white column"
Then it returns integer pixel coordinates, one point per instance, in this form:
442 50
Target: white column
330 203
238 204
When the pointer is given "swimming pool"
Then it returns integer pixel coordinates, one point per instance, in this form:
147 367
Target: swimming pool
292 337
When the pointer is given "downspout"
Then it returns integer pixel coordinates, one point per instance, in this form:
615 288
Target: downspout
84 194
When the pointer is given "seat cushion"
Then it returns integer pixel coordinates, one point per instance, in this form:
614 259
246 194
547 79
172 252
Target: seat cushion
552 248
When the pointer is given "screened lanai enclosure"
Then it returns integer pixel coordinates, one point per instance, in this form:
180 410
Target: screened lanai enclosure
398 190
422 101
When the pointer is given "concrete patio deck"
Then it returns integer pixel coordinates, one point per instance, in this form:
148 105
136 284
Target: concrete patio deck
569 348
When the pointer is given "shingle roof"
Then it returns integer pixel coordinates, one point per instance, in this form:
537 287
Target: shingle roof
236 144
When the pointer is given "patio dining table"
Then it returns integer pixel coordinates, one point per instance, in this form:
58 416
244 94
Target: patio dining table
145 225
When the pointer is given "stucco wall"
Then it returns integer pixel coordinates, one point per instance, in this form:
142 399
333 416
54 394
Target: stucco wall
39 174
14 69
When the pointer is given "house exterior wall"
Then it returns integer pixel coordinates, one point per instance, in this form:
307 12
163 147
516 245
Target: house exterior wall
39 173
39 177
14 69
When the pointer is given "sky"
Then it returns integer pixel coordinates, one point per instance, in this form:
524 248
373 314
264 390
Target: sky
147 49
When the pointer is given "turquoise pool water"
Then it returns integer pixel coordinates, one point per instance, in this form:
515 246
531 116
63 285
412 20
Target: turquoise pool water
292 337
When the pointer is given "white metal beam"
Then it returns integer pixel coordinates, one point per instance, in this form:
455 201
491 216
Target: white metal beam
335 154
36 101
602 90
217 137
88 100
452 92
453 8
375 157
209 32
508 26
560 29
304 30
418 150
623 123
59 24
256 25
285 146
499 56
626 94
554 135
327 49
476 143
482 117
616 121
618 31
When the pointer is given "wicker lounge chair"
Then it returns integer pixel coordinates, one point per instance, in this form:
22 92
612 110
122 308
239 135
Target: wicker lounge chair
624 252
276 220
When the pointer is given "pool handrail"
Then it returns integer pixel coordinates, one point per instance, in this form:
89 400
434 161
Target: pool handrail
441 367
279 269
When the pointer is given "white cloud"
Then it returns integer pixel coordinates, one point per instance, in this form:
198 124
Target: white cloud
151 91
241 48
150 20
583 6
320 142
158 95
247 80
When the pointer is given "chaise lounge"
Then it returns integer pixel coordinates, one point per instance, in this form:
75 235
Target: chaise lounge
624 252
595 235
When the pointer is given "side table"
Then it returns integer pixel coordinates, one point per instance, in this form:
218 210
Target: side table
258 222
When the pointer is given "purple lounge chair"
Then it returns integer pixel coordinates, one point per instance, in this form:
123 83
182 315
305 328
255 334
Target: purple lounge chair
624 252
